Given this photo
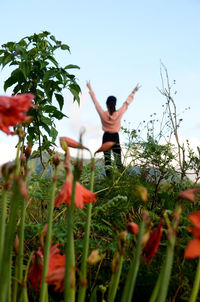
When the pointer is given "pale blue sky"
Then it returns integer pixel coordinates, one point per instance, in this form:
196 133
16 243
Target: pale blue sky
117 44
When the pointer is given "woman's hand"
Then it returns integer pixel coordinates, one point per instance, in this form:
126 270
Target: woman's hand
136 89
89 85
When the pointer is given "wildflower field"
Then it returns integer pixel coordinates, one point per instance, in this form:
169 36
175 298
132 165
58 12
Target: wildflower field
70 233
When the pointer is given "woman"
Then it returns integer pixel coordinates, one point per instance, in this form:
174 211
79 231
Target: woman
111 124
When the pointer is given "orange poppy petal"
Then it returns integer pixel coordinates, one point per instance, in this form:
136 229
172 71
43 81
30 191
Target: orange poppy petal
195 218
193 249
105 147
153 242
13 110
189 194
71 143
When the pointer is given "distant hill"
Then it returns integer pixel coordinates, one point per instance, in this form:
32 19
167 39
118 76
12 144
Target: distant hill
34 164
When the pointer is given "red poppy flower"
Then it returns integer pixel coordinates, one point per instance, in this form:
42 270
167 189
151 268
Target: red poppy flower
13 110
195 218
193 247
56 277
82 195
189 194
35 271
56 261
153 243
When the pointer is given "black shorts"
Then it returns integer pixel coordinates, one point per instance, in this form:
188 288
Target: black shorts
111 137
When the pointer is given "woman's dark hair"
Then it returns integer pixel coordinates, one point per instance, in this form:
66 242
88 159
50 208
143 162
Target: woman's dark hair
111 103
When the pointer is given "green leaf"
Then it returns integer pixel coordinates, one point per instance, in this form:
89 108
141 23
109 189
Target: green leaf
17 89
46 120
9 82
53 38
53 134
18 74
6 59
45 127
60 100
43 64
10 45
24 68
45 33
53 112
53 60
22 42
58 114
49 74
32 134
32 52
93 297
49 109
71 66
46 144
35 154
75 90
65 47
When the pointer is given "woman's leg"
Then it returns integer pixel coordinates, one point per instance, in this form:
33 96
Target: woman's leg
107 154
117 152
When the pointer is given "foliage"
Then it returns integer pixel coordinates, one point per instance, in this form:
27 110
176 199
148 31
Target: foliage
36 70
96 255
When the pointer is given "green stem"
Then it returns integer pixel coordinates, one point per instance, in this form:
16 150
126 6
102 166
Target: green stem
115 281
43 291
69 293
21 239
24 294
20 256
45 168
132 274
196 284
9 240
15 280
83 271
17 160
5 266
164 282
2 222
156 288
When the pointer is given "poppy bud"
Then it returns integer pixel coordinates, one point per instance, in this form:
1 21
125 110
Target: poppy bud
16 244
43 235
28 151
63 144
115 263
142 193
22 158
102 289
22 187
122 242
132 228
94 257
56 159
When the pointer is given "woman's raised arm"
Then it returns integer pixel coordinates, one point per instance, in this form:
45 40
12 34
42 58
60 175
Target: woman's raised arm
130 97
93 96
91 92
